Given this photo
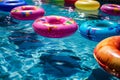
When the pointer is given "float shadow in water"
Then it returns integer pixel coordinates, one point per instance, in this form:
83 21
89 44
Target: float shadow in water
99 74
60 65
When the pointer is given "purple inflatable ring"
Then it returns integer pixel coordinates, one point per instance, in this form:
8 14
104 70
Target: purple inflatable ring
112 9
55 26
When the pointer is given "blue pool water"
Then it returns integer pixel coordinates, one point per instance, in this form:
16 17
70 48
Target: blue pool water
25 55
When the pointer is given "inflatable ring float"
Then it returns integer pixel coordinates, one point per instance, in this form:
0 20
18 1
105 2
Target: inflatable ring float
112 9
87 4
97 30
27 12
57 2
107 54
55 26
8 5
70 2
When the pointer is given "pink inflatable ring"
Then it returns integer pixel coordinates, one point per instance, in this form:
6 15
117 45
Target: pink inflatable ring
112 9
55 26
27 12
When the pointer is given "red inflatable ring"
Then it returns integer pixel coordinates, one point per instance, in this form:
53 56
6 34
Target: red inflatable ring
70 2
107 54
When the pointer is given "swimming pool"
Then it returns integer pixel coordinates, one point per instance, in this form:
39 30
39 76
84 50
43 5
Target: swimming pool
25 55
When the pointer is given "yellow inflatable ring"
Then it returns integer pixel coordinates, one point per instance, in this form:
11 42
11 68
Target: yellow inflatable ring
87 4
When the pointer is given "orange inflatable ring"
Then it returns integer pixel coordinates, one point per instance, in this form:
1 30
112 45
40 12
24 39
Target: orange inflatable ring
107 54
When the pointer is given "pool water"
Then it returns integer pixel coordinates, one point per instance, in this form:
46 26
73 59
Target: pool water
25 55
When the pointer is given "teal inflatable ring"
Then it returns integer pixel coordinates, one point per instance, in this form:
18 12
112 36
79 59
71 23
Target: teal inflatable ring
97 30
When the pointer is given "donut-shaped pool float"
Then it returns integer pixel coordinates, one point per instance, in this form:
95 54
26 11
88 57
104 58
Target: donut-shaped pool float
112 9
8 5
70 2
87 4
55 26
27 12
97 30
107 54
57 2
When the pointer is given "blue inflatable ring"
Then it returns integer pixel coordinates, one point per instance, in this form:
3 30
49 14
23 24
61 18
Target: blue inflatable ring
97 30
7 5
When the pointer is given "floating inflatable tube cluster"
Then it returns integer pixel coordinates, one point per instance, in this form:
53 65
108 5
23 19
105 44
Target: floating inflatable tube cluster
107 54
87 4
27 12
8 5
55 26
97 30
112 9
